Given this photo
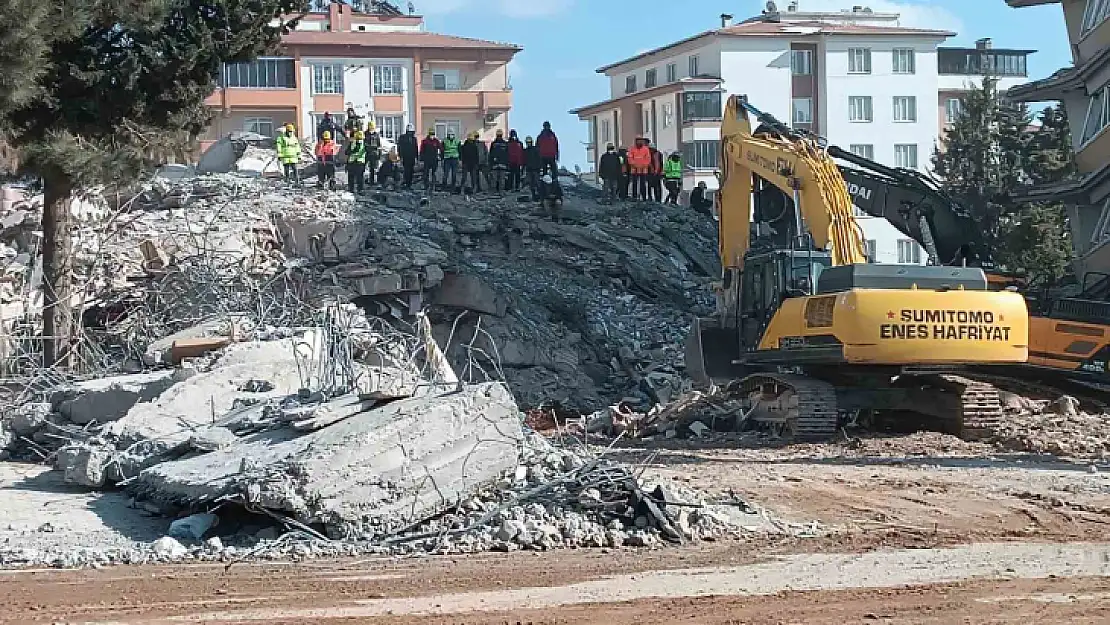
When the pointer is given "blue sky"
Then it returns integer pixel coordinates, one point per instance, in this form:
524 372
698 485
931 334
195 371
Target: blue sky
565 41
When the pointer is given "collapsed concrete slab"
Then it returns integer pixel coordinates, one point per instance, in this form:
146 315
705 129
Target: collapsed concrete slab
109 399
370 474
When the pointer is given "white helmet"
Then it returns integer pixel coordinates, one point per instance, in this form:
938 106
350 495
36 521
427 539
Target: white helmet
410 127
547 178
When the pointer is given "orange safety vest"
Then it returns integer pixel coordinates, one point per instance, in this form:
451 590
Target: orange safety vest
639 159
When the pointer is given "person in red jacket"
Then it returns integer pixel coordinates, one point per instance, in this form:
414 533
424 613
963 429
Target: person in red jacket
548 145
431 150
655 174
639 163
516 161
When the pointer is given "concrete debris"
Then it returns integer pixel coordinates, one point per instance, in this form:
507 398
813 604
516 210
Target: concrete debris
168 549
1060 427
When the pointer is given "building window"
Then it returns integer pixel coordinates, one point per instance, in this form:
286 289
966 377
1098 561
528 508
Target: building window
905 108
904 61
649 79
390 126
1096 11
388 79
870 247
327 78
905 155
646 128
444 126
802 110
859 60
866 150
445 80
909 252
694 69
261 74
260 125
801 62
1098 115
606 131
859 108
701 154
668 114
672 72
952 108
963 62
701 105
630 84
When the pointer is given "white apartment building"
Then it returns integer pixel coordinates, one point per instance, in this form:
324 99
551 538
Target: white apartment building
961 69
856 77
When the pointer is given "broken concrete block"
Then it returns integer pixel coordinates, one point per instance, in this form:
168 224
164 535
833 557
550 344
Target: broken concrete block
159 351
168 548
213 438
433 275
154 258
7 437
29 418
108 399
379 285
322 239
368 474
470 293
85 466
192 348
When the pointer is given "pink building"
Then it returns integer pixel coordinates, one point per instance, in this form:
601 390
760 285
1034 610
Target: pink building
382 64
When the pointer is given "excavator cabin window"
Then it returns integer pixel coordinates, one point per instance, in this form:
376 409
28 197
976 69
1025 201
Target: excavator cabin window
768 279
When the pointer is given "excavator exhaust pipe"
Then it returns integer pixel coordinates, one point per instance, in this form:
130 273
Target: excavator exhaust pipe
710 351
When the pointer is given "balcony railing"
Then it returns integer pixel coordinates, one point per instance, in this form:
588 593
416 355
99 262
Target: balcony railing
478 100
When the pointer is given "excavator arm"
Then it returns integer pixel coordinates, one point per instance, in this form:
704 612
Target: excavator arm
796 165
917 208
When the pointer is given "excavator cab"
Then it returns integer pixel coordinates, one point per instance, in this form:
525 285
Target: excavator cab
769 279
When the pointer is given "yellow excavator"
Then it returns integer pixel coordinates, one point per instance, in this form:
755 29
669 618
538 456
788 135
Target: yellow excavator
809 333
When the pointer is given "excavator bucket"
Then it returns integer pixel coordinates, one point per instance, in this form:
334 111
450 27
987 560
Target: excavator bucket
710 353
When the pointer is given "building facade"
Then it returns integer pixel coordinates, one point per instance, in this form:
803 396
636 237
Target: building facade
961 69
1084 91
855 77
382 64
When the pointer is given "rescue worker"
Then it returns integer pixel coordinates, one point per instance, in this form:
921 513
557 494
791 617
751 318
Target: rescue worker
389 174
655 173
548 144
626 173
639 161
328 125
451 146
533 163
408 148
499 161
516 162
353 124
699 202
610 170
483 163
289 152
356 163
672 174
326 151
551 196
373 143
430 152
470 157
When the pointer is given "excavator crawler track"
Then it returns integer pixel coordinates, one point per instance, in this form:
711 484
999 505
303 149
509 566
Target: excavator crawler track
981 408
814 417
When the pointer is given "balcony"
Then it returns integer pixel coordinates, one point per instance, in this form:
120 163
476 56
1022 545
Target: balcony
253 98
467 100
701 106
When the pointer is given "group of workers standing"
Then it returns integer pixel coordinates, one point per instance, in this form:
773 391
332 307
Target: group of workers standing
641 173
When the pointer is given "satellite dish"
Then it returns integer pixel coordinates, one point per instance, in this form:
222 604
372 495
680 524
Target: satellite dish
772 7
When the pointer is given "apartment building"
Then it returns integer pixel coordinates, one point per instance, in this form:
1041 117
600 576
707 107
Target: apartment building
1084 90
854 76
961 69
382 63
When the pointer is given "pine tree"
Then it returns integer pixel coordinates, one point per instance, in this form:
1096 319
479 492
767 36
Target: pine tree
89 88
989 153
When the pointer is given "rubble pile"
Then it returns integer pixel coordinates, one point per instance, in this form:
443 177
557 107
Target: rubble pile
1058 427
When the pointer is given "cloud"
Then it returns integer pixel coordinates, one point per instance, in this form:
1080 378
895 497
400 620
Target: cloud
913 13
520 9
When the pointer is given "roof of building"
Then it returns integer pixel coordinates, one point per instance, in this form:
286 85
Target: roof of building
1068 78
650 92
395 39
1029 3
764 28
974 49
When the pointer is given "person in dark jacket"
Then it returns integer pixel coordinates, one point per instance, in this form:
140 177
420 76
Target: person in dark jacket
373 150
499 161
655 173
610 170
471 160
516 161
389 173
551 196
431 150
328 125
353 124
626 173
533 163
548 144
408 149
699 202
